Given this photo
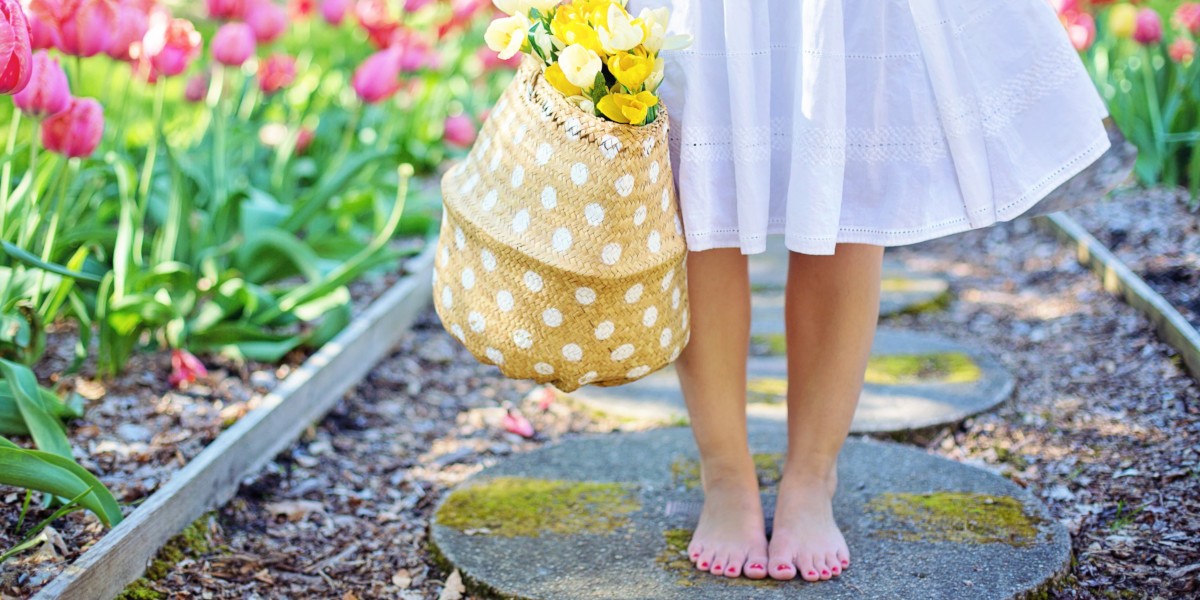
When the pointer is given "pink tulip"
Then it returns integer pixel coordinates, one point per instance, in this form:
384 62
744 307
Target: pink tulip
515 422
334 11
132 24
233 44
170 45
301 9
276 72
227 9
462 12
378 78
460 131
197 88
42 35
1149 27
544 397
16 54
304 139
267 19
185 368
415 51
1081 28
1182 50
85 27
76 131
48 92
415 5
1187 16
376 18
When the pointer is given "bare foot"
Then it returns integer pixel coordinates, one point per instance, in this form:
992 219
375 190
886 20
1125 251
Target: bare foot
731 539
806 541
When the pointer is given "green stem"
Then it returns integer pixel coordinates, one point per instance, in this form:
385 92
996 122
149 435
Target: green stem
119 139
52 228
6 174
152 150
218 156
1156 121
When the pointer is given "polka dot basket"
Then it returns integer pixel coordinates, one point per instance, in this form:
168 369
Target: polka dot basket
561 256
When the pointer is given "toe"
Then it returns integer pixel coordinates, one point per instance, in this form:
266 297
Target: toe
720 562
843 557
736 565
781 570
835 566
704 562
756 567
694 550
808 568
821 567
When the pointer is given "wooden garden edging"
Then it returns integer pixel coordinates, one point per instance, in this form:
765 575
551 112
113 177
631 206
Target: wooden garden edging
1119 279
212 477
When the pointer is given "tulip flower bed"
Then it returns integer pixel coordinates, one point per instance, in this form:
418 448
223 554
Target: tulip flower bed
1143 58
193 198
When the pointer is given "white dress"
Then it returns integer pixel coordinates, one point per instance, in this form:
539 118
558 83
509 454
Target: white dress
883 122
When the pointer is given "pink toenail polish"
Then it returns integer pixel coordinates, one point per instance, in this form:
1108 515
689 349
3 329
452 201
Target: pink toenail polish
717 568
812 573
824 572
756 566
783 568
703 565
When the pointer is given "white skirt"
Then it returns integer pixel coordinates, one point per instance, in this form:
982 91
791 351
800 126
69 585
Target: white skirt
882 122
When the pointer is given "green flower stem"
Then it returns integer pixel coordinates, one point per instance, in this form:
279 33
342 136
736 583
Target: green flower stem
6 173
52 228
217 105
152 150
1156 120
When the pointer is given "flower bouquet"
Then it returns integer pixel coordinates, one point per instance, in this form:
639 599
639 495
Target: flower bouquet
561 257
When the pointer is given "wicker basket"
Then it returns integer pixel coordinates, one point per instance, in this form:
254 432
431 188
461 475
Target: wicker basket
561 256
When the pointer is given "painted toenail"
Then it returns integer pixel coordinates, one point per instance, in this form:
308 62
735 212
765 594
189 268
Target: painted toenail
824 572
703 565
756 566
695 555
783 568
812 573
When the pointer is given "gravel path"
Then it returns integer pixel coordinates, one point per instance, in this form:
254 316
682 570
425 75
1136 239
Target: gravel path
1104 426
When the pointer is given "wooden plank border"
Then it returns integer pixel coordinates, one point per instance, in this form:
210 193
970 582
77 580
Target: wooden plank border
212 477
1119 279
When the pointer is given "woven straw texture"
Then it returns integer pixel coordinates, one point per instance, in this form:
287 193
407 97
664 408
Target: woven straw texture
561 255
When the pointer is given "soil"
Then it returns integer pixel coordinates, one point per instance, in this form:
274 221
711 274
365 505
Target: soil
1156 232
137 431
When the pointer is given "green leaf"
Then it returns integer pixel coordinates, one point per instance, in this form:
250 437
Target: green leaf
53 474
46 431
32 260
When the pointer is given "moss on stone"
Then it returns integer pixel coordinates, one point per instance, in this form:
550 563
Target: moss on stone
942 367
193 542
766 390
523 507
956 517
774 343
685 472
674 560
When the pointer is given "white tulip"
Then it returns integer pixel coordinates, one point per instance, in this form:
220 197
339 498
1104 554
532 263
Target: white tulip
507 35
622 34
580 65
656 76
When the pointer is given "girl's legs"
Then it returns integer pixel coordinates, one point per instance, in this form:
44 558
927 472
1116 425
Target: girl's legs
730 539
832 308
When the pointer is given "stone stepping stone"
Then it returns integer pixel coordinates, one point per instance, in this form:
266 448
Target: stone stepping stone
914 381
611 516
902 290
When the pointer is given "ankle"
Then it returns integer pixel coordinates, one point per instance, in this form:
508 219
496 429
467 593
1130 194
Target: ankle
810 476
728 474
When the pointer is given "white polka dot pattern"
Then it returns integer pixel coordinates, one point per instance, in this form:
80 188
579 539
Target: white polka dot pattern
553 263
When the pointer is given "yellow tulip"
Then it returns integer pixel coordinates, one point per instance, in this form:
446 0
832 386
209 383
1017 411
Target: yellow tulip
556 77
1122 20
577 32
631 70
627 108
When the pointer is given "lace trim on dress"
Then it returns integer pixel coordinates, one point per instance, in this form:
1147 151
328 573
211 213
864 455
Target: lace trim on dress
921 145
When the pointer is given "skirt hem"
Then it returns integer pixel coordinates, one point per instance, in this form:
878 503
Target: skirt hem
716 239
